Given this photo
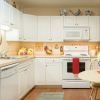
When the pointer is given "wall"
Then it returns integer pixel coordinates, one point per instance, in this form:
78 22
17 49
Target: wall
39 47
54 11
13 48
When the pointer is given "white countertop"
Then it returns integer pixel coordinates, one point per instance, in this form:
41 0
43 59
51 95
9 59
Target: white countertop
6 62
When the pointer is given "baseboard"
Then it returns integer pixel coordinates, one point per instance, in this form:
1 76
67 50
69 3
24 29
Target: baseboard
48 86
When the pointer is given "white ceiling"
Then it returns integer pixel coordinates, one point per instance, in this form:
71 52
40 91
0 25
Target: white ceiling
60 3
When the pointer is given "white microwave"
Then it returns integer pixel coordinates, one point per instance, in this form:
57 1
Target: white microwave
76 33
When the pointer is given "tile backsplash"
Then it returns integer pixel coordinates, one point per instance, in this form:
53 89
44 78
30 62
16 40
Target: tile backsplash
39 47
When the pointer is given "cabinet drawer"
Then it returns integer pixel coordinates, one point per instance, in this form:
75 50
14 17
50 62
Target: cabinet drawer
26 63
53 60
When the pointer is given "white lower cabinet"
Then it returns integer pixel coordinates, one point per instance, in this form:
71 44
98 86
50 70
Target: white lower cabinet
25 78
48 71
9 82
22 82
16 80
30 76
40 71
53 73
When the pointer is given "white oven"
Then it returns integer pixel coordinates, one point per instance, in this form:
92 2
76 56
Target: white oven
84 65
69 79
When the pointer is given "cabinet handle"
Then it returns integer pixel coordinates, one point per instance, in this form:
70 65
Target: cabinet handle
50 39
12 24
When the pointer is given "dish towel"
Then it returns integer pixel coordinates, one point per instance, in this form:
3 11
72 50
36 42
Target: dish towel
75 66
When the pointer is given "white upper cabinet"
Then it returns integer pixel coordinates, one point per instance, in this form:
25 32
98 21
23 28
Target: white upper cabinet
4 13
69 20
12 35
29 29
76 21
94 24
44 28
20 26
15 32
57 28
14 17
50 28
82 20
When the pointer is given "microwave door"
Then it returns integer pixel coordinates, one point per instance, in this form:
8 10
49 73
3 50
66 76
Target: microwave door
73 34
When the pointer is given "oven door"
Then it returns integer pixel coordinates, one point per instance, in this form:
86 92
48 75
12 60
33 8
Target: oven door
67 68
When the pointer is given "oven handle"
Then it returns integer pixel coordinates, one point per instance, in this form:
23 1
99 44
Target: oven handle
83 60
65 59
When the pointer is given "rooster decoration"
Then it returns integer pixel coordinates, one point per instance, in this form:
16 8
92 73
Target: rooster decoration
77 13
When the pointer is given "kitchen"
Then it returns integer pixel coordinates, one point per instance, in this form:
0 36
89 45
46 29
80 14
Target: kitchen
38 43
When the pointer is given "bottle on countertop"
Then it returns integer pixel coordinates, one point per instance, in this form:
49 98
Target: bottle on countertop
61 50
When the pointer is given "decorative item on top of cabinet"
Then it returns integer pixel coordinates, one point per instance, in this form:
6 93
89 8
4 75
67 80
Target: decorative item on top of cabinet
14 4
77 13
63 12
88 12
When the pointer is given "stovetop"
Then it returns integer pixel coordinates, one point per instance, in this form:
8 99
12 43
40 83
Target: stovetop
76 55
76 51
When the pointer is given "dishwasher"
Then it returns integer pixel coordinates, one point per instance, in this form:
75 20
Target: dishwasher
9 82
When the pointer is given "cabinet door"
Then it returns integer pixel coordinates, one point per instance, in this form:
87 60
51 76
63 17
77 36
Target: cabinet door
94 24
9 88
76 21
28 27
69 20
1 11
44 28
33 72
13 17
57 28
53 73
81 21
22 79
5 13
35 35
30 76
21 26
12 35
39 72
